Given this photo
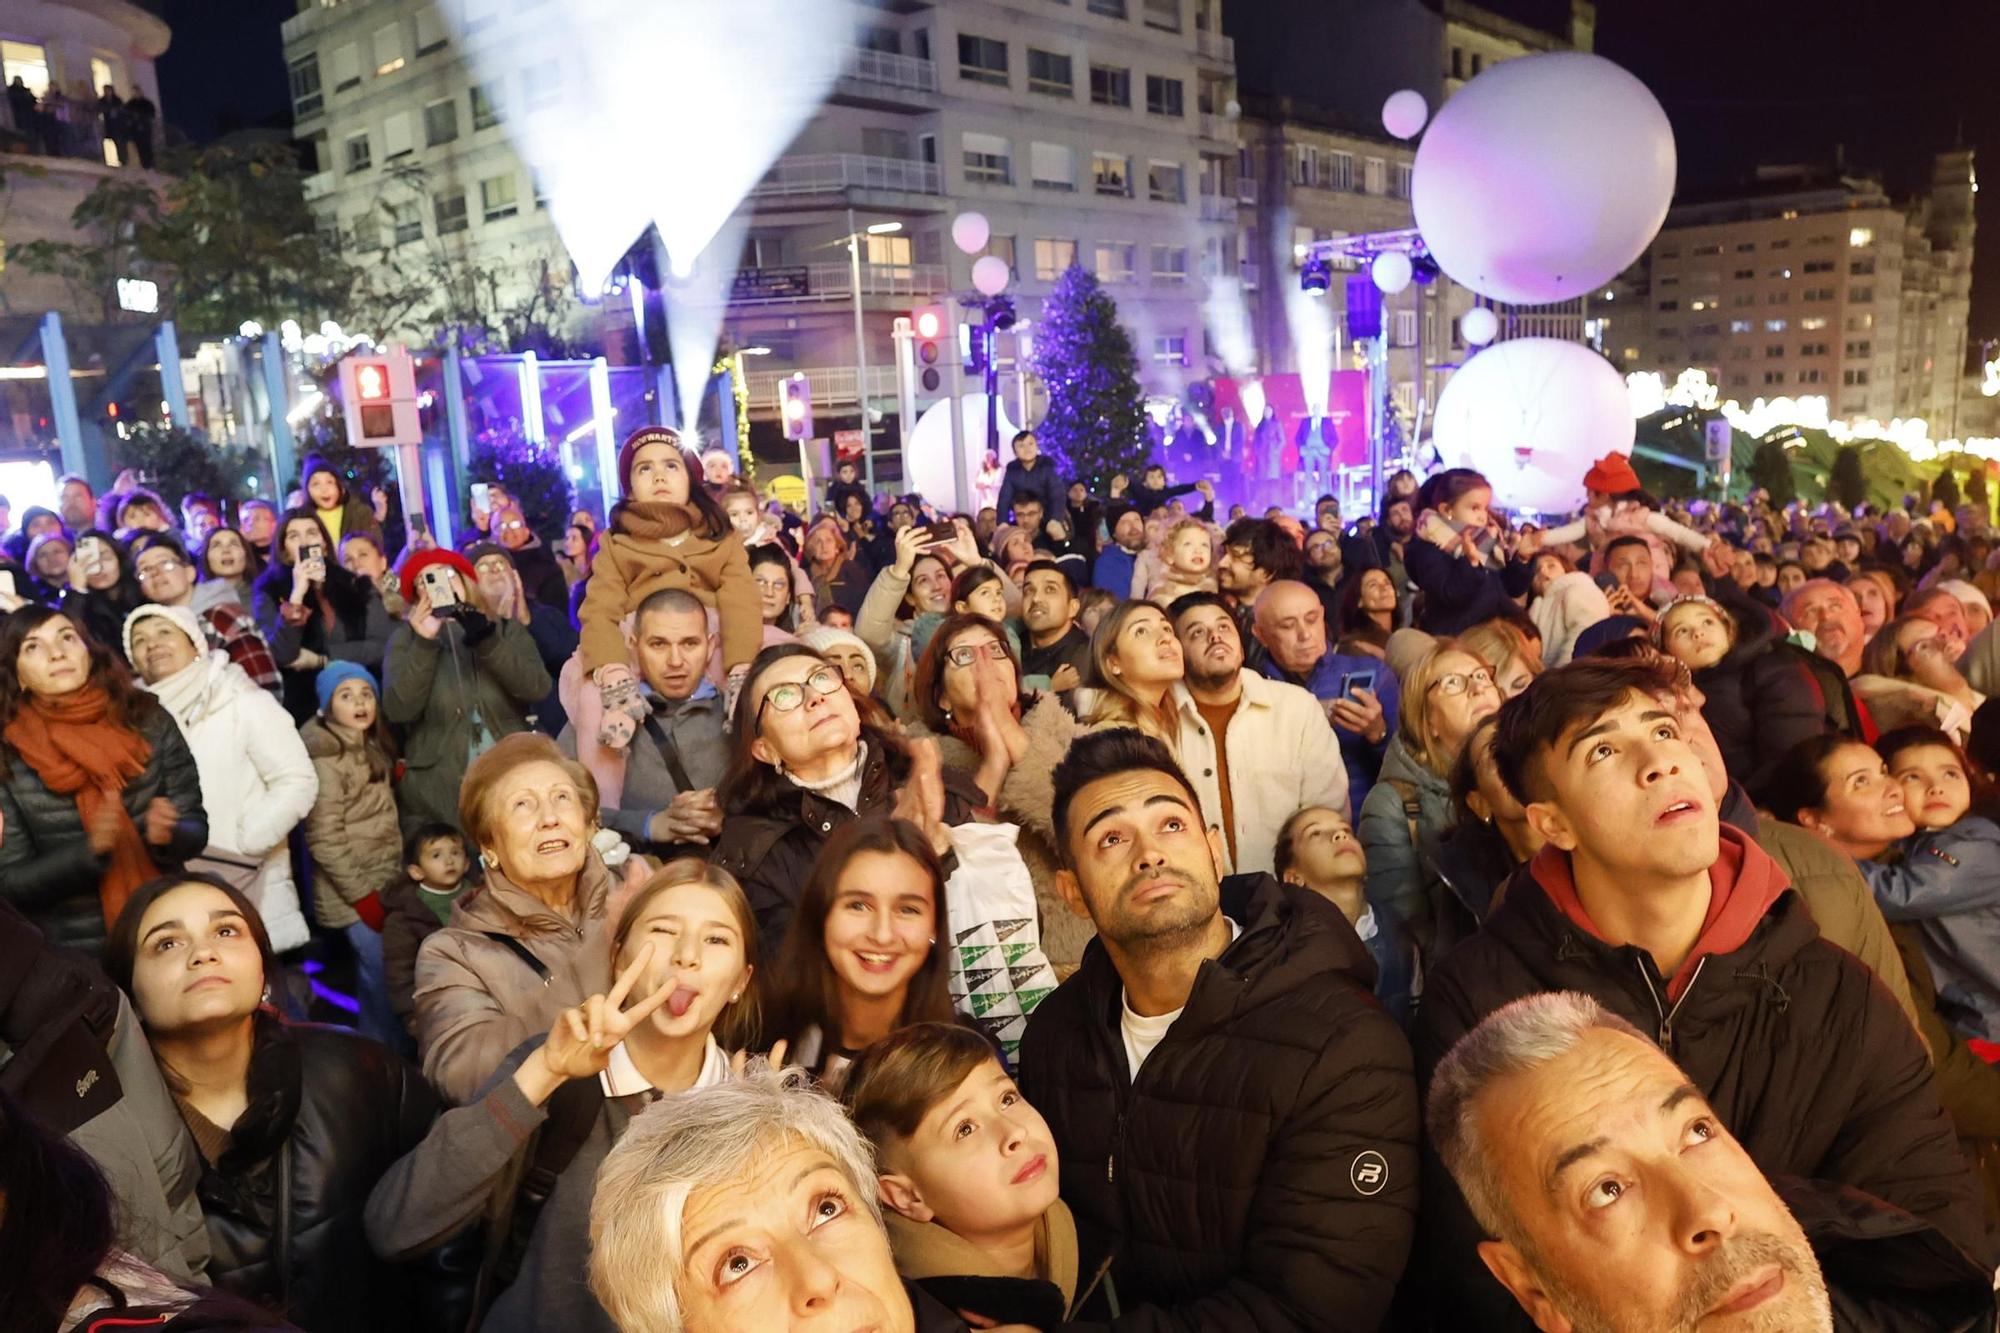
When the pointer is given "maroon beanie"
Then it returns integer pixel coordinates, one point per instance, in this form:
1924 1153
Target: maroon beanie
639 438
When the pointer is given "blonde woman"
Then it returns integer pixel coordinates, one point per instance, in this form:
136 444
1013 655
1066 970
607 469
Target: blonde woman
1135 661
1516 661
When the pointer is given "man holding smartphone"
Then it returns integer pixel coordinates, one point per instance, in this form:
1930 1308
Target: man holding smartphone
1358 692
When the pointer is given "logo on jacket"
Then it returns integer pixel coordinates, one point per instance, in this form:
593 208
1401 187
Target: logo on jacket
86 1083
1369 1174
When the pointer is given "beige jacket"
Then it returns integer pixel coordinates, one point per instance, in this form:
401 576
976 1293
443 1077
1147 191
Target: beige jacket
356 842
477 999
629 568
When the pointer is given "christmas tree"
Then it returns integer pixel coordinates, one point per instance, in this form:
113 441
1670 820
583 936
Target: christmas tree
1096 421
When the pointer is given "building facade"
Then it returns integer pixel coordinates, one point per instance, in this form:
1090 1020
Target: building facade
1812 283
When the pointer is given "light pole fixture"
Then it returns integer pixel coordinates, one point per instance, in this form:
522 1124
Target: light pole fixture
853 239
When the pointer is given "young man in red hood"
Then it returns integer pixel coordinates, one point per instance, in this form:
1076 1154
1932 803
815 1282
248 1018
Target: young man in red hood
1680 924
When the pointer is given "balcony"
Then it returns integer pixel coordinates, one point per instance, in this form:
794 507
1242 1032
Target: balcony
831 386
1220 129
1217 208
1214 46
318 185
886 81
835 282
837 173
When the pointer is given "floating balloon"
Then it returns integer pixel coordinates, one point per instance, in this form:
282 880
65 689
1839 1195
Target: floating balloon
1544 177
990 275
1391 271
1478 326
1404 114
969 232
1532 414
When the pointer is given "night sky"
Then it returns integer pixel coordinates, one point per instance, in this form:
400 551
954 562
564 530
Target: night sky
1744 81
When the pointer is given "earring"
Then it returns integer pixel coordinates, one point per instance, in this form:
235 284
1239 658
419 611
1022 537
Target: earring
267 992
489 860
734 998
933 939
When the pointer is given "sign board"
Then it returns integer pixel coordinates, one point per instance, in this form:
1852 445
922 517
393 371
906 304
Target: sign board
770 284
847 444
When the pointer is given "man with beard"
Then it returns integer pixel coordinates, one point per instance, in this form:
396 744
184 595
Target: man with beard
1828 611
1618 1200
1255 749
1234 1112
1055 646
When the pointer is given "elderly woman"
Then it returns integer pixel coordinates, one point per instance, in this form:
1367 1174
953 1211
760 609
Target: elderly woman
737 1207
311 611
458 678
807 753
1445 694
530 942
98 791
684 952
839 574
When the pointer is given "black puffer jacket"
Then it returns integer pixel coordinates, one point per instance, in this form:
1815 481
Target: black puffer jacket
47 869
1811 1064
356 631
329 1112
1760 702
1261 1172
1888 1272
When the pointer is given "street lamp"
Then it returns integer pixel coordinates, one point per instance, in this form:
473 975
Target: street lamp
853 239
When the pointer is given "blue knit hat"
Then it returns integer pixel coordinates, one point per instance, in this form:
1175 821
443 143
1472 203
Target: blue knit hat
333 673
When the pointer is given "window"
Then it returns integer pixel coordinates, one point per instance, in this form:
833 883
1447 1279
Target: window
1704 331
1374 176
1742 299
1774 352
879 142
430 31
1170 349
541 85
1163 97
1739 354
1163 14
1812 349
306 96
1052 166
346 67
1739 326
982 60
1861 267
485 115
1819 266
1667 333
1746 247
1744 274
1821 294
496 198
357 154
397 137
1052 256
1002 246
1706 250
1400 176
1337 171
1110 86
449 212
1860 238
1860 347
409 222
1115 260
365 232
1669 281
1166 183
1778 298
1780 244
1774 377
1664 306
388 49
440 123
1780 272
989 159
1111 9
1774 326
1111 174
1457 63
1861 295
874 37
1853 377
1170 263
1813 322
1050 73
1705 303
1405 333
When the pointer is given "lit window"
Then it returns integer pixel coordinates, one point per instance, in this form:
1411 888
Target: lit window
1861 237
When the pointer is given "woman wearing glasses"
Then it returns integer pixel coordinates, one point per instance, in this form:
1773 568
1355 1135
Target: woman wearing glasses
1445 695
807 756
1910 662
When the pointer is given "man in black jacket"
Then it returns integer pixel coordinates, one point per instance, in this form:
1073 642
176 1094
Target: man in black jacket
1688 930
1235 1115
1622 1202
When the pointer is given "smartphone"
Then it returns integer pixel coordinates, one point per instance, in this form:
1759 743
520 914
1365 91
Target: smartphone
482 496
436 582
92 553
941 532
7 583
1607 581
311 552
1350 681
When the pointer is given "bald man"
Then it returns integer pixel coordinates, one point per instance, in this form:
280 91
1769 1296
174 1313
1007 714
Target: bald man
1358 692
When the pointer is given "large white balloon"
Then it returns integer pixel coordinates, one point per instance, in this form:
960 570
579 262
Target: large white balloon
928 453
1391 271
1544 177
1405 113
1479 326
990 275
969 232
1533 414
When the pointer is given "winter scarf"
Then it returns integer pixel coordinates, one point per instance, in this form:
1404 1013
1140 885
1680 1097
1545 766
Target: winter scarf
77 751
927 1250
654 520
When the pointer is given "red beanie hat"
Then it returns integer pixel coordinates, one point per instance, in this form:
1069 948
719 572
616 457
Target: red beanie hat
422 560
1612 474
634 442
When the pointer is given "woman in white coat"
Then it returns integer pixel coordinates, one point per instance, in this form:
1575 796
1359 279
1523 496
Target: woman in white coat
257 781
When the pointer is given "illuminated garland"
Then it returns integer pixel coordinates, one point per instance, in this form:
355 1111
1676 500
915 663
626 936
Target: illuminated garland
746 462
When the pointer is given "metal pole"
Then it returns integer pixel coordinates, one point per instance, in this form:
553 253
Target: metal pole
455 439
860 356
992 336
278 399
173 390
77 454
606 438
905 340
955 367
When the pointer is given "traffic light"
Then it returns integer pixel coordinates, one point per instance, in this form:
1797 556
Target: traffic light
930 325
371 391
796 400
380 390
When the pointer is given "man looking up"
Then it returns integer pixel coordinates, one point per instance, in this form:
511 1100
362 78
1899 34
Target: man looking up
1256 552
1056 646
76 502
166 576
1318 849
1234 1112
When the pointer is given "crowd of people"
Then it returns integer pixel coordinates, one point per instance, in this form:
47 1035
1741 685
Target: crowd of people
1089 912
102 126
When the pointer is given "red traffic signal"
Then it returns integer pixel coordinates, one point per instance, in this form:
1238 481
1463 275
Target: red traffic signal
931 324
371 381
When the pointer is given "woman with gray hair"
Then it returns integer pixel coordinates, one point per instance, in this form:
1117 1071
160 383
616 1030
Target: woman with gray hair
748 1205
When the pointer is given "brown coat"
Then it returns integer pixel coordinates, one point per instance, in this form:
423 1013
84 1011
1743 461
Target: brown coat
476 999
352 831
630 567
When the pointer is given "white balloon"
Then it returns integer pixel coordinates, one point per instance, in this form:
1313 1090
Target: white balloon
1533 414
1404 114
990 275
1544 177
1478 326
1391 271
929 447
969 232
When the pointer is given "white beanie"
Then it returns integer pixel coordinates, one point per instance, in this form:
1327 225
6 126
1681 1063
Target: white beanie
183 616
822 637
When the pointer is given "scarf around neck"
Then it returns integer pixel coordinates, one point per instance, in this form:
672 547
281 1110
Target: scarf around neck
77 751
925 1249
654 519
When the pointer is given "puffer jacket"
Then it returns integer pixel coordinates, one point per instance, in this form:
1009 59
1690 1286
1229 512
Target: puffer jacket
357 631
1457 593
1401 874
1967 1085
1817 1072
353 830
257 783
1887 1271
329 1112
1759 703
1947 884
434 687
477 998
1260 1172
47 868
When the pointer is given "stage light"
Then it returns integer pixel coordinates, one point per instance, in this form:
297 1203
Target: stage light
1316 276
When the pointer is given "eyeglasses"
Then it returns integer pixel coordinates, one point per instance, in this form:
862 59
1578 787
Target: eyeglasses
157 569
965 654
789 696
1458 682
1935 646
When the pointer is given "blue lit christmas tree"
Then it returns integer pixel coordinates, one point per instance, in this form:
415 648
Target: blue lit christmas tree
1096 422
